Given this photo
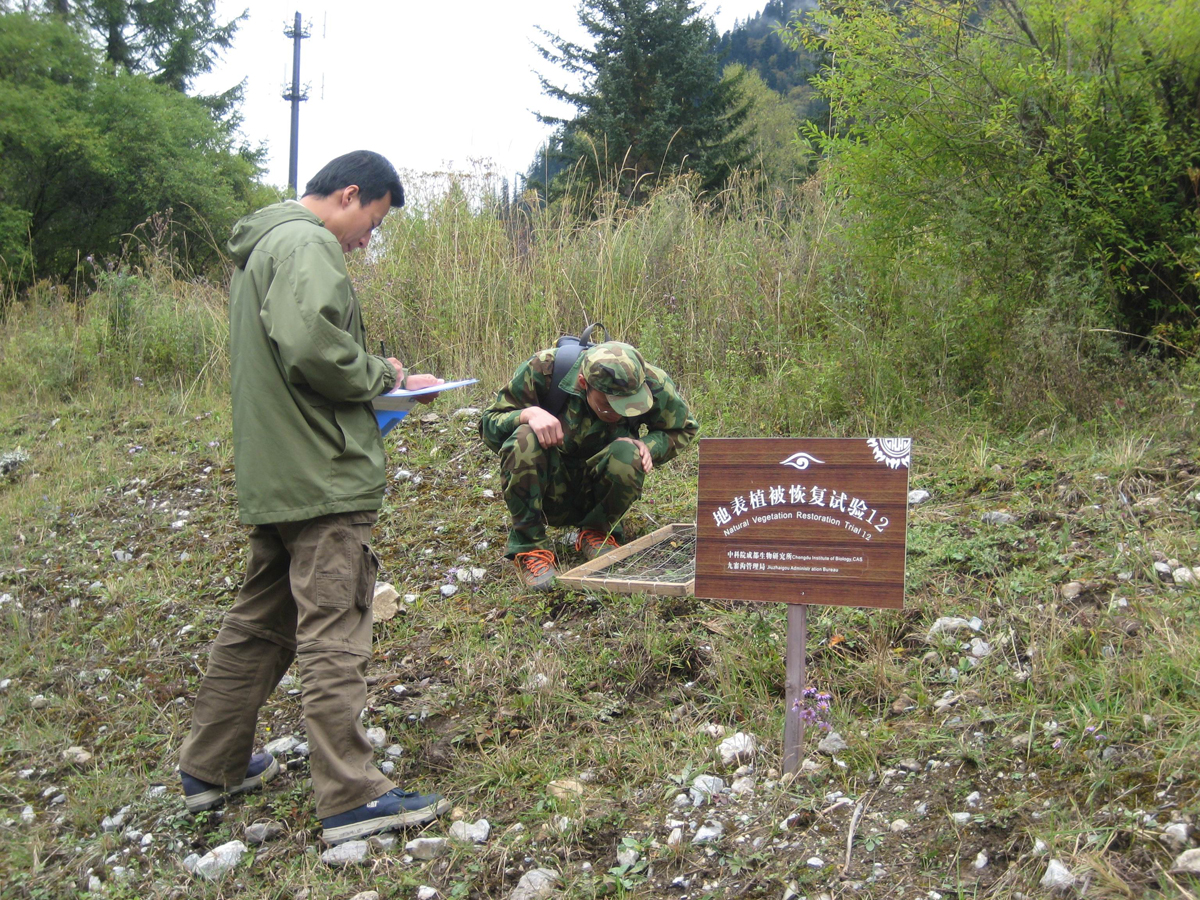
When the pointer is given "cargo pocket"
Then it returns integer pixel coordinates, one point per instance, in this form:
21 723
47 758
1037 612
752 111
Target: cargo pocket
337 568
368 572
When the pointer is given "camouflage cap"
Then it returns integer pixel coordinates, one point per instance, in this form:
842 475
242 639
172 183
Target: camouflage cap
617 371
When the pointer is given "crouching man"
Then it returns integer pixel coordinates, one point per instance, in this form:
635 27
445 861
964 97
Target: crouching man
584 466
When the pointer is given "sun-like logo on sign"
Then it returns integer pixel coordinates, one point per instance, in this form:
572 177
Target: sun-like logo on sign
894 452
801 461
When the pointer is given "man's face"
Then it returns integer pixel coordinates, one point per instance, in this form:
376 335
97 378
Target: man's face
599 404
355 221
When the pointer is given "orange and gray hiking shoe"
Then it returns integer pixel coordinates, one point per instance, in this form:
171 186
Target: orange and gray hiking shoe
536 569
595 543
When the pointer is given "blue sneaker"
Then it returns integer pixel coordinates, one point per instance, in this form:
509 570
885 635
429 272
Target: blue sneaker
201 796
394 809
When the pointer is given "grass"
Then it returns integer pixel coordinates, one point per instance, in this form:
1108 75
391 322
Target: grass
507 692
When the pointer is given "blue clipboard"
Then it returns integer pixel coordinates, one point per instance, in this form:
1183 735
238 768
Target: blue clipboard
392 407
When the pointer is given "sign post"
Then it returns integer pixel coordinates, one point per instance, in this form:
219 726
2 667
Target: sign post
802 521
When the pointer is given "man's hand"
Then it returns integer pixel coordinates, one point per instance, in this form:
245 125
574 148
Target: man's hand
416 382
643 453
399 371
546 428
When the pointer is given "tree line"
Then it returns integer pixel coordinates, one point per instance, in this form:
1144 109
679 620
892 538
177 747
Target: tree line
1043 153
98 132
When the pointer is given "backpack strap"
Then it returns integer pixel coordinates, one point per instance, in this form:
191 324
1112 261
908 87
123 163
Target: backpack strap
567 352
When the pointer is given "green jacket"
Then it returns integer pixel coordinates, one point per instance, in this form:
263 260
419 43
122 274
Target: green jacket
669 424
305 440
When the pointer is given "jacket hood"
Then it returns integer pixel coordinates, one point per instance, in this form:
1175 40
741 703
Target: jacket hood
254 227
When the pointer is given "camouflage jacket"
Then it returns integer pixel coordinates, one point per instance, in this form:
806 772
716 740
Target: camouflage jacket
669 425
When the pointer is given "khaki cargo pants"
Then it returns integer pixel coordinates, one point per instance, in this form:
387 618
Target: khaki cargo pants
307 595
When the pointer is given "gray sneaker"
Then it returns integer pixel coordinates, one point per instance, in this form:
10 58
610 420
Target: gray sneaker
536 569
395 809
201 796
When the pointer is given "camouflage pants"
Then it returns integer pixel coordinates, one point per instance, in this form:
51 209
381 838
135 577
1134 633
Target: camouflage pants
547 487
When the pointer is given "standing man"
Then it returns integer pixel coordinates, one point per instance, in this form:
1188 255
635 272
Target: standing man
309 462
585 465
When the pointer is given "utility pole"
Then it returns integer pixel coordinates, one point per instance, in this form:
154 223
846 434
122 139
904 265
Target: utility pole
294 95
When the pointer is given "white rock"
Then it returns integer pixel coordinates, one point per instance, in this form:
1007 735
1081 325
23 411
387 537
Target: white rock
77 756
189 862
960 818
377 737
27 815
974 799
1058 877
402 475
1184 575
1187 863
675 838
470 575
899 825
568 789
346 854
383 603
474 833
815 862
95 885
1176 834
742 786
980 648
220 860
366 895
115 822
425 892
948 625
738 749
283 746
1040 848
832 743
427 848
1072 589
1163 571
384 843
448 590
627 857
981 860
714 730
261 832
395 751
709 832
997 518
705 787
537 884
464 413
302 749
917 496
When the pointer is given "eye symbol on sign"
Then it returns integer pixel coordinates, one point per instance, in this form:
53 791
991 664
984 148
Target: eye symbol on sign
801 460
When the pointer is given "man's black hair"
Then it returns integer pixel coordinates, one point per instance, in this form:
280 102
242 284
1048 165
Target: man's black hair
373 174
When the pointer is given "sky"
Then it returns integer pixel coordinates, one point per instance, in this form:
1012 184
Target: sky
432 88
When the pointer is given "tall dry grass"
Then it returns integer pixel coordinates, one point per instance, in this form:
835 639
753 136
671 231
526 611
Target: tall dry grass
754 300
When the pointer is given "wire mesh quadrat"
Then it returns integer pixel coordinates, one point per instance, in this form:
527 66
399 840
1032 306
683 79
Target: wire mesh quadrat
662 562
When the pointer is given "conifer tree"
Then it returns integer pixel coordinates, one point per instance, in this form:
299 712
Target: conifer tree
652 101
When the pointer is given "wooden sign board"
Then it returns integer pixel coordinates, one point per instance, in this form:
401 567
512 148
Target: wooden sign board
803 520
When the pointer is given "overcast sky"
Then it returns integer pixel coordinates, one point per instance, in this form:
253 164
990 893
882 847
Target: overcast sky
431 86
